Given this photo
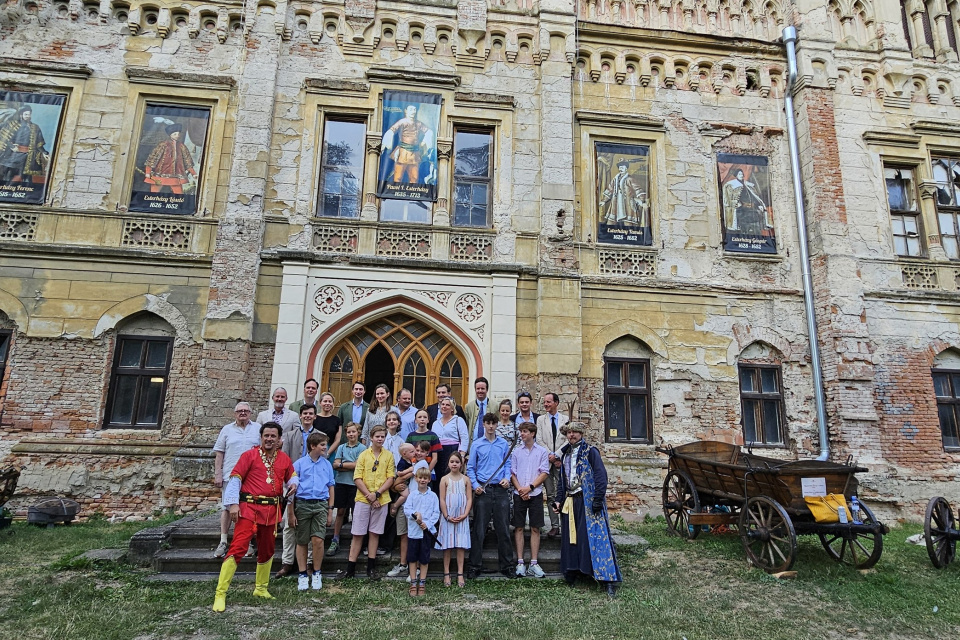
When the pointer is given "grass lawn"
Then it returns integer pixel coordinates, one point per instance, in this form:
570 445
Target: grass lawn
675 589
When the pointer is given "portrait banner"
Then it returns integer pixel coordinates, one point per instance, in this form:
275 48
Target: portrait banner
623 194
408 148
29 123
745 209
169 159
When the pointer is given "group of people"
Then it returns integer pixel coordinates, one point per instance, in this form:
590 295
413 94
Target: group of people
431 478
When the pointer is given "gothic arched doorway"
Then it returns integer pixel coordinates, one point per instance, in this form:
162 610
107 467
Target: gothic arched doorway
401 352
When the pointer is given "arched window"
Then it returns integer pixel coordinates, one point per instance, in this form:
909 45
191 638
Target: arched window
627 397
946 386
140 373
415 378
761 395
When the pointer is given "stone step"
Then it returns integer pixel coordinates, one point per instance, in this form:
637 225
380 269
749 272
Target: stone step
192 560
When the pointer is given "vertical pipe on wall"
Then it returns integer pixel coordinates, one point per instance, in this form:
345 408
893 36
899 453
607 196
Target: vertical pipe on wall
790 40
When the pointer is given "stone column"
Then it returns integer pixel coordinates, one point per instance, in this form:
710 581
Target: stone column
292 328
225 374
503 336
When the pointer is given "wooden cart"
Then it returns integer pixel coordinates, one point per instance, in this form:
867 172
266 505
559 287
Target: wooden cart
713 483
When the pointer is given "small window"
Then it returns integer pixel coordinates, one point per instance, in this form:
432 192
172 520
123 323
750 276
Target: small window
627 400
138 381
904 212
341 169
472 174
946 173
761 400
5 339
946 385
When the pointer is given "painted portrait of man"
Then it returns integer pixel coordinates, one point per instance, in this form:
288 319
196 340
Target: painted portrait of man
623 193
745 209
29 123
408 147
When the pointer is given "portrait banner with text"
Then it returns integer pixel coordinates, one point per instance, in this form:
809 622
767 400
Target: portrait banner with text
408 148
745 208
29 123
169 159
623 188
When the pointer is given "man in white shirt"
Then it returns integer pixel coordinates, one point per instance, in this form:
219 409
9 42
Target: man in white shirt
288 419
234 440
550 437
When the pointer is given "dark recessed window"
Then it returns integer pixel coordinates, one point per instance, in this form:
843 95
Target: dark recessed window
946 173
946 385
5 338
627 402
472 178
138 381
761 399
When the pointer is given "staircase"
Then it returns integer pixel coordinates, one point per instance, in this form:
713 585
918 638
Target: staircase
184 550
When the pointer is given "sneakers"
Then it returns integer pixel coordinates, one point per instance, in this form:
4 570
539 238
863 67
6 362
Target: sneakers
397 570
522 569
334 547
221 550
381 551
317 583
535 571
303 582
251 551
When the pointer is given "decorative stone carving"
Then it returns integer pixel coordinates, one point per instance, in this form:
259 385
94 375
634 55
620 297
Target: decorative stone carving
329 299
920 277
334 239
467 247
17 226
480 331
469 307
627 263
315 323
156 235
440 297
359 293
403 244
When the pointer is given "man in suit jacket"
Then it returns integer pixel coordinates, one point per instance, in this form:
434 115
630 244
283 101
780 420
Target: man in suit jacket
287 419
356 409
525 412
550 436
475 410
443 391
310 388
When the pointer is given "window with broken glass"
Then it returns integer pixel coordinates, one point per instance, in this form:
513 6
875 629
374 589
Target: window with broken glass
946 173
904 212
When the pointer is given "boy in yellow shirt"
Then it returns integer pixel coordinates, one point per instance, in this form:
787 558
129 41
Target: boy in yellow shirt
373 476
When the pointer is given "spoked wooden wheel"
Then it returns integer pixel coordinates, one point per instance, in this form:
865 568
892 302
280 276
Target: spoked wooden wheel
680 499
858 549
938 525
767 535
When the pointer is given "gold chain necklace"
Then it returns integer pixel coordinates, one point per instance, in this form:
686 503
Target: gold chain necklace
268 464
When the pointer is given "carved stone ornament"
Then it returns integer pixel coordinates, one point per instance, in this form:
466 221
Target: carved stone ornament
329 299
469 307
359 293
440 297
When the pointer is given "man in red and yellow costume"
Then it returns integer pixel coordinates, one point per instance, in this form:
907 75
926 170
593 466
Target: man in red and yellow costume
253 494
169 164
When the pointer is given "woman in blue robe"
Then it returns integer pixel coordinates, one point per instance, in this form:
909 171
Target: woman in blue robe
586 546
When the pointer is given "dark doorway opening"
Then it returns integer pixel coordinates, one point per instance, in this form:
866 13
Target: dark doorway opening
378 369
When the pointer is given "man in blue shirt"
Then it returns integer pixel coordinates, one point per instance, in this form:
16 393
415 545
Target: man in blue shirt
356 409
489 473
408 413
309 512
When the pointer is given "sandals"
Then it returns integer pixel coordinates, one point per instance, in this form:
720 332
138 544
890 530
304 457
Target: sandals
413 589
460 581
422 588
446 580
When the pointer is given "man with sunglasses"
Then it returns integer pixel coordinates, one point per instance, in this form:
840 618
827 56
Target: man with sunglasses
234 440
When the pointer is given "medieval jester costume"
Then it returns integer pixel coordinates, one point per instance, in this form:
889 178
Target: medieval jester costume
586 545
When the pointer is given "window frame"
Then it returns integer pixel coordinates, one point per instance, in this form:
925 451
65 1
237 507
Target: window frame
952 401
916 214
6 341
488 180
628 391
140 372
761 397
351 118
947 210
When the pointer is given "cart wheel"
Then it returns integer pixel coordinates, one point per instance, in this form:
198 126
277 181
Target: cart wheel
680 499
857 549
938 524
767 535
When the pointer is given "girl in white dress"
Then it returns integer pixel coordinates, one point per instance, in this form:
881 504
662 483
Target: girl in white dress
456 498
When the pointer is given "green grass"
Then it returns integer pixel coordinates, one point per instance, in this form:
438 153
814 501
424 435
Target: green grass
676 589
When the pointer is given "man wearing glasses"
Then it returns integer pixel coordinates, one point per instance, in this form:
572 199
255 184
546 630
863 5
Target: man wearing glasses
234 440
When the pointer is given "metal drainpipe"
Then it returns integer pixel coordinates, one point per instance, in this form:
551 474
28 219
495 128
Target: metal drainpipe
790 40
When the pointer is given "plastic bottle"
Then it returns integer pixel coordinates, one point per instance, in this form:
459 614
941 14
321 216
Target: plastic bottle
855 510
842 513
